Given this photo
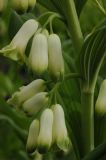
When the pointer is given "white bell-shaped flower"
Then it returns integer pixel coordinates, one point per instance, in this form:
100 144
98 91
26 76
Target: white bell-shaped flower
32 136
35 103
16 49
45 134
56 63
60 135
38 57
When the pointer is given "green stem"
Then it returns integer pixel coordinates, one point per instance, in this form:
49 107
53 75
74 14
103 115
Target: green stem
74 25
87 100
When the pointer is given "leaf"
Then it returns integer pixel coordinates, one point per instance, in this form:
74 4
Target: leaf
58 6
97 153
79 5
93 53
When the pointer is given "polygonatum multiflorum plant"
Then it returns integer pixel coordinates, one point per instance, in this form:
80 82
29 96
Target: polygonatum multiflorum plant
62 102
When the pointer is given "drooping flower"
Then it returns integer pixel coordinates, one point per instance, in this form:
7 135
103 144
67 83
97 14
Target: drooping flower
45 134
32 136
38 57
16 49
60 135
26 92
35 103
56 63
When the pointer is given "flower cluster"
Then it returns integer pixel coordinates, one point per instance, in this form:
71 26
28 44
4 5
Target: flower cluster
49 131
30 98
45 52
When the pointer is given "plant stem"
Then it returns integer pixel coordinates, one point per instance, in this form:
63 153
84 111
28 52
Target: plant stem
87 100
74 25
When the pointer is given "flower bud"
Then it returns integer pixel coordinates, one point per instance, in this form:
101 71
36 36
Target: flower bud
16 49
31 4
3 5
36 103
60 135
38 57
20 6
56 64
45 133
27 92
100 106
32 136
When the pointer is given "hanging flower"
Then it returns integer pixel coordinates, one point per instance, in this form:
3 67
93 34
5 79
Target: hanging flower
56 64
60 135
20 6
32 136
16 49
45 134
38 57
35 103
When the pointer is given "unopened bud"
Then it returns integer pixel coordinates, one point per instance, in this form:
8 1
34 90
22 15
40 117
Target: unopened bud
16 49
100 106
32 136
38 57
56 63
60 135
45 134
20 6
36 103
27 92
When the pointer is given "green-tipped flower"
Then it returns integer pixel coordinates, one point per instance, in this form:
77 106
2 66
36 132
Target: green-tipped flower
38 57
16 49
27 92
56 63
32 136
60 135
36 103
45 134
20 6
3 5
100 106
31 4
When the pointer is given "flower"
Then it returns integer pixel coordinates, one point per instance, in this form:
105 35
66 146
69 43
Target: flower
38 57
60 135
100 106
45 133
32 136
16 49
35 103
26 92
56 64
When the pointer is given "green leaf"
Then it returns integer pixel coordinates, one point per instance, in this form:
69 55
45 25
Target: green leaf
93 53
97 153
